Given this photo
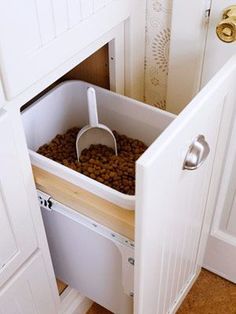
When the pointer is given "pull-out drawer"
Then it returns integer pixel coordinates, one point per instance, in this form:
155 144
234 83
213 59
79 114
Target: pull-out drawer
91 258
112 216
176 179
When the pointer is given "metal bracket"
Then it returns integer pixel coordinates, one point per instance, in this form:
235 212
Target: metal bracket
128 262
207 9
45 200
207 13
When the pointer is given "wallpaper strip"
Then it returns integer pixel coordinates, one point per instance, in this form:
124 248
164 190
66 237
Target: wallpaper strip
157 51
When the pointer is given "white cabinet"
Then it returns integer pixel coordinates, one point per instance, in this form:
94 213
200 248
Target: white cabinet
173 179
28 291
36 37
18 239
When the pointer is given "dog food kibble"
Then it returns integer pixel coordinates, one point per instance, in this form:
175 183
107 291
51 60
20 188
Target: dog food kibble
98 161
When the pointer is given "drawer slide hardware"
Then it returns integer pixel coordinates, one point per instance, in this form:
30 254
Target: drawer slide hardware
47 202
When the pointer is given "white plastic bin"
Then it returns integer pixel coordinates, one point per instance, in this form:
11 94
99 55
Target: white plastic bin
65 106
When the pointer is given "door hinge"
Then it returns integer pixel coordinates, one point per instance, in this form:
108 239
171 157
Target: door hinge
3 265
45 200
208 9
207 13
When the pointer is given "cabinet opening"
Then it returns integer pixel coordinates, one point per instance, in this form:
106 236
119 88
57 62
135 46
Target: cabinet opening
117 221
90 227
94 69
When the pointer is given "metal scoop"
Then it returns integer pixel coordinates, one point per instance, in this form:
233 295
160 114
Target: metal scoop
94 133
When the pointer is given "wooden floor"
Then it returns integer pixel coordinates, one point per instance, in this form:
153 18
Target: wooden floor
209 295
61 286
97 309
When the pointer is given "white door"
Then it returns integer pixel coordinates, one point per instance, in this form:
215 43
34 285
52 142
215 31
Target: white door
217 52
172 206
29 291
189 24
221 250
18 240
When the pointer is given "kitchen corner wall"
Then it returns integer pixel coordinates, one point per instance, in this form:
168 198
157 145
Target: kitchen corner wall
157 51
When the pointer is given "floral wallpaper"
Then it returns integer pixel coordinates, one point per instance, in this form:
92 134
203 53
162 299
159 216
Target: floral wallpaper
157 51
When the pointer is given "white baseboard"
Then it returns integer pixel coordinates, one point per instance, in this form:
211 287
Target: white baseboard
74 303
220 255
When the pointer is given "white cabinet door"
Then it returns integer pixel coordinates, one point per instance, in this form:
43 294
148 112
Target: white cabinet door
18 240
171 201
29 291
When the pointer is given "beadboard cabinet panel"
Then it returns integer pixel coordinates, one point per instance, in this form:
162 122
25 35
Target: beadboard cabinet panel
18 239
175 197
36 37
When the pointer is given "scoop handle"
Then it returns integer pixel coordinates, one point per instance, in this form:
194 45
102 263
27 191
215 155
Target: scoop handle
92 107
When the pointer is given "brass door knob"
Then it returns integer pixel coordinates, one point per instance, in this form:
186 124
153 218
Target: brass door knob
226 29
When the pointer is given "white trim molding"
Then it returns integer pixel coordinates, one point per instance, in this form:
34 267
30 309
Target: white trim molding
74 303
